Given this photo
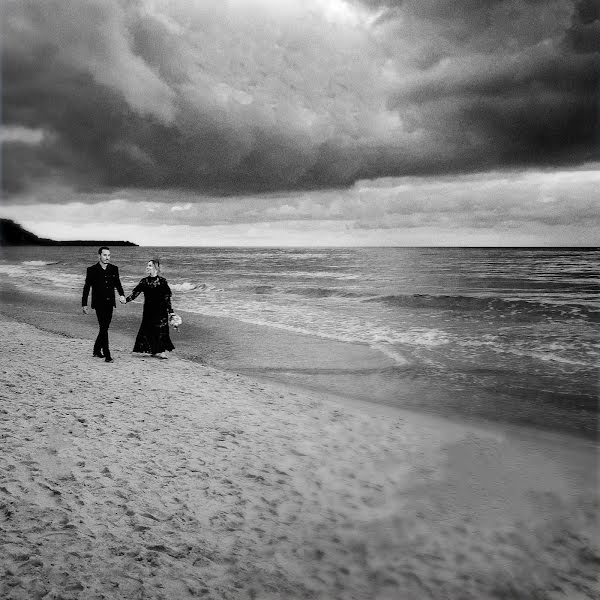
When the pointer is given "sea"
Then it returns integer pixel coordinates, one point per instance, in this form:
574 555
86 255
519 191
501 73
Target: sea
503 335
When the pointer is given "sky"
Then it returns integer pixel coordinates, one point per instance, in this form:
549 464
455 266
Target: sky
303 122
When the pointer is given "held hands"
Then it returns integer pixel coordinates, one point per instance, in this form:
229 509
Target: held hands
85 310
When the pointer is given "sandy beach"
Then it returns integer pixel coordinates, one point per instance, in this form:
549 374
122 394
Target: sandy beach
170 479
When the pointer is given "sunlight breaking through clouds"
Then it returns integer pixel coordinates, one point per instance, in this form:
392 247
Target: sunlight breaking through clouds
256 109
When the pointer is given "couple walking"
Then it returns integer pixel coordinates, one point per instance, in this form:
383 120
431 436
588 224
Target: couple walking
103 279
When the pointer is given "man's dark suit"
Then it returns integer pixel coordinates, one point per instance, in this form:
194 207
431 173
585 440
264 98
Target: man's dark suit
103 283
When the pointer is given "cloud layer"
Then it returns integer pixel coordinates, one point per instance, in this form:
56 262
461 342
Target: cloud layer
502 208
263 95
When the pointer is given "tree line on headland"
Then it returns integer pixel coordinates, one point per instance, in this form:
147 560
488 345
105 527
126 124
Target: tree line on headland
12 234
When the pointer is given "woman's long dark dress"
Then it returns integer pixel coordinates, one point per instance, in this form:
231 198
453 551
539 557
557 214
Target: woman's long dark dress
153 336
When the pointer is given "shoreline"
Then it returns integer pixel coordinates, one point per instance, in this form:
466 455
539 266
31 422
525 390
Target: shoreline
352 373
173 479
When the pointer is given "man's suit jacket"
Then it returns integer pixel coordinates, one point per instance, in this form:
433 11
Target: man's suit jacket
103 284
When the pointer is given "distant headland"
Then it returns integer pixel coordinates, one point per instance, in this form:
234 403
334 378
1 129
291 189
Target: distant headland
12 234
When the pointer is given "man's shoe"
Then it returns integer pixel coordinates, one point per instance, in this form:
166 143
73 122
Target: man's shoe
98 355
108 359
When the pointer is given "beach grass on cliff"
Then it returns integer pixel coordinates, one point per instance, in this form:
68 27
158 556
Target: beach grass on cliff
169 479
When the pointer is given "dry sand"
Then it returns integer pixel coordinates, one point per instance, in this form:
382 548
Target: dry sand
168 479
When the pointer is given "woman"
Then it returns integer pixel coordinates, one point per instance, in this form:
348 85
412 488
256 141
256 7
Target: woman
153 336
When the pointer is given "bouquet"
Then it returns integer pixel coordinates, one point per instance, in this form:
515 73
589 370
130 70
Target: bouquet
175 320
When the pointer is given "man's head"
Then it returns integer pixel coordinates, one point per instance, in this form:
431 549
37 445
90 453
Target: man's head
103 255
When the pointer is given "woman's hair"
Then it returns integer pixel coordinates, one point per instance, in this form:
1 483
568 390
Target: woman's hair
156 264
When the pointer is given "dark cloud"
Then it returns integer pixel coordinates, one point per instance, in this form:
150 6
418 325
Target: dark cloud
190 98
517 84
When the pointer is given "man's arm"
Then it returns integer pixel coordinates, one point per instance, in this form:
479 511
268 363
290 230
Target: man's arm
86 290
119 286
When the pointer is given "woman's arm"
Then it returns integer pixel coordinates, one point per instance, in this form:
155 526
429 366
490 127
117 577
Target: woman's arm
137 290
168 297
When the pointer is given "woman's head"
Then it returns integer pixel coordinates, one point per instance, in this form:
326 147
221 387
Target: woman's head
153 267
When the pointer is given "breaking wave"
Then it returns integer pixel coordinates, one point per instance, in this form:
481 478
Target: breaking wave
39 263
512 307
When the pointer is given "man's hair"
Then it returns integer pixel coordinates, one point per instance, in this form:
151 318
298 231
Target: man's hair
103 248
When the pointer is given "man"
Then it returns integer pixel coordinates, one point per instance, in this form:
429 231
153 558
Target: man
103 278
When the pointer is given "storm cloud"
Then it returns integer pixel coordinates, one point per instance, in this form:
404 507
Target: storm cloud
263 95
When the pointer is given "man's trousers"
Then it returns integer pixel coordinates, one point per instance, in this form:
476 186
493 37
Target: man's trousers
104 315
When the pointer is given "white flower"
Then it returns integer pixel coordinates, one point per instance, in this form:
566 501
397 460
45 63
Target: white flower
175 320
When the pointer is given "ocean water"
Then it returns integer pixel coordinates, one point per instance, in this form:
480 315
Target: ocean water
493 333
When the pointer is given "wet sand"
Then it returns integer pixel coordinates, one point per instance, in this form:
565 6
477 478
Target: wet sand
171 479
352 371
